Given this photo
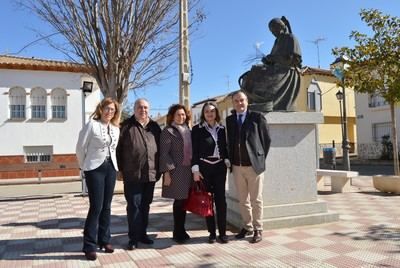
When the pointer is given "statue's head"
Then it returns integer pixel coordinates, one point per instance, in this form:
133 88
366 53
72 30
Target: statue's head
277 26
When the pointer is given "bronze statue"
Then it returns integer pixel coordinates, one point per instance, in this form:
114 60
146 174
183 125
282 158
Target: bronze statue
274 85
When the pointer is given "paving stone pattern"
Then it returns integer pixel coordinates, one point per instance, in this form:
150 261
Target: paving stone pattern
47 232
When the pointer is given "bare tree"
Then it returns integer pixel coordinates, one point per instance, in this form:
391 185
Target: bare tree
126 44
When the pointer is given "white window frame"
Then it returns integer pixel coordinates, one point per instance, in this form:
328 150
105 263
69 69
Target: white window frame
38 154
314 98
376 100
59 104
17 99
381 129
38 104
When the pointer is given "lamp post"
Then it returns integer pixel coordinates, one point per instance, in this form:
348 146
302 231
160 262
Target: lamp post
338 67
87 87
339 97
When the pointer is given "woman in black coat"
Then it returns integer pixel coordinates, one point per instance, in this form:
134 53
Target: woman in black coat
209 163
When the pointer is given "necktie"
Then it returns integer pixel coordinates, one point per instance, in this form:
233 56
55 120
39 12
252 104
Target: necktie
240 116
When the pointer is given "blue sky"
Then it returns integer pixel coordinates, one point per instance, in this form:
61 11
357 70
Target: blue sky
225 41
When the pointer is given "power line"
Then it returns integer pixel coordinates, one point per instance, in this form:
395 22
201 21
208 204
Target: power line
32 43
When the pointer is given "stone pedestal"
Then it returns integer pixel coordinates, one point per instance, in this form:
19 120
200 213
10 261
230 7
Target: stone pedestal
290 186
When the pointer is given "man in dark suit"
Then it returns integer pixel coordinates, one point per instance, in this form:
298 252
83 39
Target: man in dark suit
248 144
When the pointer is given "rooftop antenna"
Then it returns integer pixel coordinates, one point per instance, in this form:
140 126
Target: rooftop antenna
316 42
227 81
259 53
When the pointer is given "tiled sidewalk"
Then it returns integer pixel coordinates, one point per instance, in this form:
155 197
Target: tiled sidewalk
47 232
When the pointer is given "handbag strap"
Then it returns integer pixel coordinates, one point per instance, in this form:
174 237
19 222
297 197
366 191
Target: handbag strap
199 185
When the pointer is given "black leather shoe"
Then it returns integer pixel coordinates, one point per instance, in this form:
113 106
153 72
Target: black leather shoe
186 236
178 240
91 256
212 238
257 236
243 233
223 239
146 240
132 246
108 248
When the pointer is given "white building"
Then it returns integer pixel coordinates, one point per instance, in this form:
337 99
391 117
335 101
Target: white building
373 122
41 116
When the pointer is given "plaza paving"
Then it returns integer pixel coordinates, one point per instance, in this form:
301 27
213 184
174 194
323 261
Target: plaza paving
46 231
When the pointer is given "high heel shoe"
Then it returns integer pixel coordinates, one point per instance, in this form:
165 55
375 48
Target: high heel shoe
107 248
91 256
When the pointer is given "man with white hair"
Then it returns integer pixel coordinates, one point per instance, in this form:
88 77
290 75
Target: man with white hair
138 160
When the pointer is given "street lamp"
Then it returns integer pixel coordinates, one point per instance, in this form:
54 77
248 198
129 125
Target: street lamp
87 87
338 67
339 97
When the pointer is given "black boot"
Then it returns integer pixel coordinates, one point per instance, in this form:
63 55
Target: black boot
179 233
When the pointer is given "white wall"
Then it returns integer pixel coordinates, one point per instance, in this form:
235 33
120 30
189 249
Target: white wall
367 116
61 134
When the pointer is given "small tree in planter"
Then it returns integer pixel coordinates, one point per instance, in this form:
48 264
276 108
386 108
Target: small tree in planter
374 63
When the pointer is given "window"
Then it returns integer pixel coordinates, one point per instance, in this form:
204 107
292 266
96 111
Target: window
34 154
58 104
376 100
58 111
17 98
314 97
38 103
381 129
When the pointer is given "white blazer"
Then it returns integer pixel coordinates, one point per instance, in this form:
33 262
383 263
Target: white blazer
91 149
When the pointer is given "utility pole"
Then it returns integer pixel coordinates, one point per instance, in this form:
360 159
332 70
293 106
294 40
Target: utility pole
316 42
184 63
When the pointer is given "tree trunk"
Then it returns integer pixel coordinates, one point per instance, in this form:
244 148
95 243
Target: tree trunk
394 139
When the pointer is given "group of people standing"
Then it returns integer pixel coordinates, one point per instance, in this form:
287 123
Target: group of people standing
144 153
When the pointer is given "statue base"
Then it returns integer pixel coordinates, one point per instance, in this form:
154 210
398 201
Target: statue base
290 183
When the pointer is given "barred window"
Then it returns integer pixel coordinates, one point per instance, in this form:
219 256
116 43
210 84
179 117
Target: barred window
38 103
376 100
17 99
381 129
34 154
59 103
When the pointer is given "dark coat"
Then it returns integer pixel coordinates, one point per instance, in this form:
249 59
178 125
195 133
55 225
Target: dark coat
138 151
203 144
171 159
256 135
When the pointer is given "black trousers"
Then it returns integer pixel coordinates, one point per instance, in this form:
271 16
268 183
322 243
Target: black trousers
214 179
138 198
100 184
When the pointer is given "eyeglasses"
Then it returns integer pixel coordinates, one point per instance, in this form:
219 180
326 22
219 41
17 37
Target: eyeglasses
108 109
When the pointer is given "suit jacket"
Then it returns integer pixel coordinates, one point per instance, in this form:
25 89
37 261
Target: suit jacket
91 149
257 138
203 144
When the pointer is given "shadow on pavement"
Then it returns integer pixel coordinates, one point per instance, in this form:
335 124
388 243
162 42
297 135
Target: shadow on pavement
376 233
378 193
28 198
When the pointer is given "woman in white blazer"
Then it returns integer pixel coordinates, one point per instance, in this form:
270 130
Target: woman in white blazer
95 151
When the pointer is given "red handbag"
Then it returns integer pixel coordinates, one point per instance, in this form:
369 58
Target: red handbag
200 201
